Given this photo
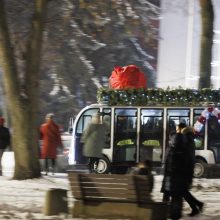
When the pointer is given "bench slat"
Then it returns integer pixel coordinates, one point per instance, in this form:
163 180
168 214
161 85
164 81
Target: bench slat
111 185
101 176
126 181
116 178
109 190
109 195
104 180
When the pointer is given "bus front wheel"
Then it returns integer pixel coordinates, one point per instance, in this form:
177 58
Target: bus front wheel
199 168
103 166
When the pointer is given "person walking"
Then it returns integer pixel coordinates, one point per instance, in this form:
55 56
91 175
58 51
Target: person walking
93 139
180 166
165 188
51 140
5 140
178 180
195 204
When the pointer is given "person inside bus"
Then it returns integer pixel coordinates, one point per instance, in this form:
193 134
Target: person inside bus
94 139
121 124
178 174
214 137
213 129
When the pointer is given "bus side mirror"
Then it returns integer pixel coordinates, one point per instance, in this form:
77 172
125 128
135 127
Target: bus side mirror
70 130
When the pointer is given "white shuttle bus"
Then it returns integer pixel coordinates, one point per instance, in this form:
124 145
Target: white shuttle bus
137 133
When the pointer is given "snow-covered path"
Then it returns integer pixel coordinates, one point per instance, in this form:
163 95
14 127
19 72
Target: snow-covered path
206 190
25 199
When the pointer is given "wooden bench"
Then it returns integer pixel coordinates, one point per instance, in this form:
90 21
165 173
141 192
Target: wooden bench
114 196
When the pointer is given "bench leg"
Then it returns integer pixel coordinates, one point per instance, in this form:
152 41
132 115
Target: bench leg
55 202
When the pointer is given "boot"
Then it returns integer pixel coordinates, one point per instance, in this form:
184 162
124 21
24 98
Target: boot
194 213
200 206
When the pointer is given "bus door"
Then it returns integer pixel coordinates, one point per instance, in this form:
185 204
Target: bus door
106 119
214 137
125 135
174 117
151 135
199 135
82 123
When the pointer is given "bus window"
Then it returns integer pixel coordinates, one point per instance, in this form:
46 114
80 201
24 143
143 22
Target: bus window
107 121
174 117
85 119
151 134
214 137
125 134
107 117
199 136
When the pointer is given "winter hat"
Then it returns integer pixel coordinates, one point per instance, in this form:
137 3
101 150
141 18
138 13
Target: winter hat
96 118
188 130
181 125
2 121
49 116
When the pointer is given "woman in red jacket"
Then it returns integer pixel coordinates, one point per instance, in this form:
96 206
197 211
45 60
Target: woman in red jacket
50 135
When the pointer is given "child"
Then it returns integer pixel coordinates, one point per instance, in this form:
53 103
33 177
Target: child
144 168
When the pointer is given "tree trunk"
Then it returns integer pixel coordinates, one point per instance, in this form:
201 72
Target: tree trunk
207 17
23 100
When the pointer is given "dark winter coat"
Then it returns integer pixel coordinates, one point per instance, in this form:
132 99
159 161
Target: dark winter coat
188 134
4 137
165 188
144 171
180 163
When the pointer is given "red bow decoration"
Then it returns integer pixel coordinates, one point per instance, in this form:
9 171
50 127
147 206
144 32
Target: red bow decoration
127 77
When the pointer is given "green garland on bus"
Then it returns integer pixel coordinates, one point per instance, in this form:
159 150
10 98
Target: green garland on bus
158 97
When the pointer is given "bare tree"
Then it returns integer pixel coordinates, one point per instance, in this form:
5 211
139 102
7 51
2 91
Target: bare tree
207 18
22 92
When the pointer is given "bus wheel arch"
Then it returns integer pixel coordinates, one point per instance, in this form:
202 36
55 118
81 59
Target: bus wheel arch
103 165
200 167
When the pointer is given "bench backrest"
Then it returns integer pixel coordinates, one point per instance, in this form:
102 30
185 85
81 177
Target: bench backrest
110 187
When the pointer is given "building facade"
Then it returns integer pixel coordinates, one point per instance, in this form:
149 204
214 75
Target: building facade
179 44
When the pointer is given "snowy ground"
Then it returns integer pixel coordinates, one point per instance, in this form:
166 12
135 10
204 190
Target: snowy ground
206 190
25 199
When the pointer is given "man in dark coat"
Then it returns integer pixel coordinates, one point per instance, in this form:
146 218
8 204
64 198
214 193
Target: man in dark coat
4 139
188 135
179 167
177 180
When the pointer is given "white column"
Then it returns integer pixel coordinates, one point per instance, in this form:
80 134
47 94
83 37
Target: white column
189 81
